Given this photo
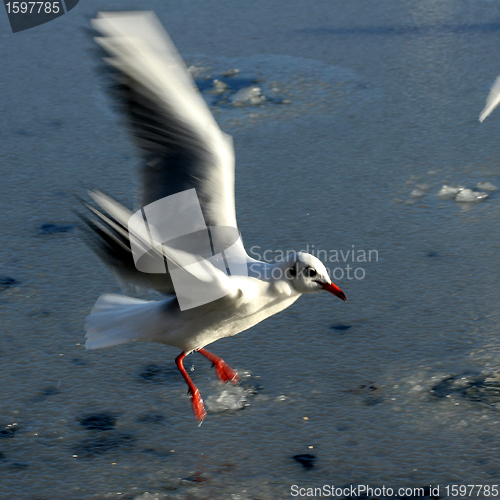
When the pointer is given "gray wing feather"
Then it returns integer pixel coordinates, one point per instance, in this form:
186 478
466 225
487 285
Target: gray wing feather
108 236
181 143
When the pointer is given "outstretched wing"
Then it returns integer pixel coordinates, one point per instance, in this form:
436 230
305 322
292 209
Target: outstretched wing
181 143
184 151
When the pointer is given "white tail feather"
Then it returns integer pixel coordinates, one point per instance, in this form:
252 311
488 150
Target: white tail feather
116 319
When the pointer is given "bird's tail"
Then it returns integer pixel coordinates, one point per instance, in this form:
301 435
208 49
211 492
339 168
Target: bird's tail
116 319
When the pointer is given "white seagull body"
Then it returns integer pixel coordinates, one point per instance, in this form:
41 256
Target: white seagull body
184 149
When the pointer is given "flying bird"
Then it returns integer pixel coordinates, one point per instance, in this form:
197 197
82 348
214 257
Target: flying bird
186 157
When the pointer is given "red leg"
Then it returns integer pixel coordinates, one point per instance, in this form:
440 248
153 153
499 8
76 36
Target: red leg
198 407
224 371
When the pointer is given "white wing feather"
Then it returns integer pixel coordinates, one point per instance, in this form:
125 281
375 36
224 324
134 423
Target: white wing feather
492 100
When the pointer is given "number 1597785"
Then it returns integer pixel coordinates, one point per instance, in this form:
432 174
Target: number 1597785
32 7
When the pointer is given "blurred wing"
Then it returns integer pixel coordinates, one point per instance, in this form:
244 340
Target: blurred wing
182 144
492 100
195 266
109 237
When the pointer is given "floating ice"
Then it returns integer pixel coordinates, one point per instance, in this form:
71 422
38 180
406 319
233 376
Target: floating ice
232 398
197 70
462 194
483 388
449 192
248 96
486 186
275 87
469 196
231 72
417 193
151 496
219 87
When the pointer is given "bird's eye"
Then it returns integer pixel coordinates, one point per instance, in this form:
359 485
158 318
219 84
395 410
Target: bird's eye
293 271
311 272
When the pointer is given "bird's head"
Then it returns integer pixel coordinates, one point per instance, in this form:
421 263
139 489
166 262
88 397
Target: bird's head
307 274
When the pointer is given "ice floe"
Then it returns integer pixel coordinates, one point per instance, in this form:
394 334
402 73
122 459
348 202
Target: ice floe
486 186
461 194
420 190
244 90
470 196
248 96
449 192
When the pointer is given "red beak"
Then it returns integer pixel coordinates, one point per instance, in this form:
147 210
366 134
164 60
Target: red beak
333 289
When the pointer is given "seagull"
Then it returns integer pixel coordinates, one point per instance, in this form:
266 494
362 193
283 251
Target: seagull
185 155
